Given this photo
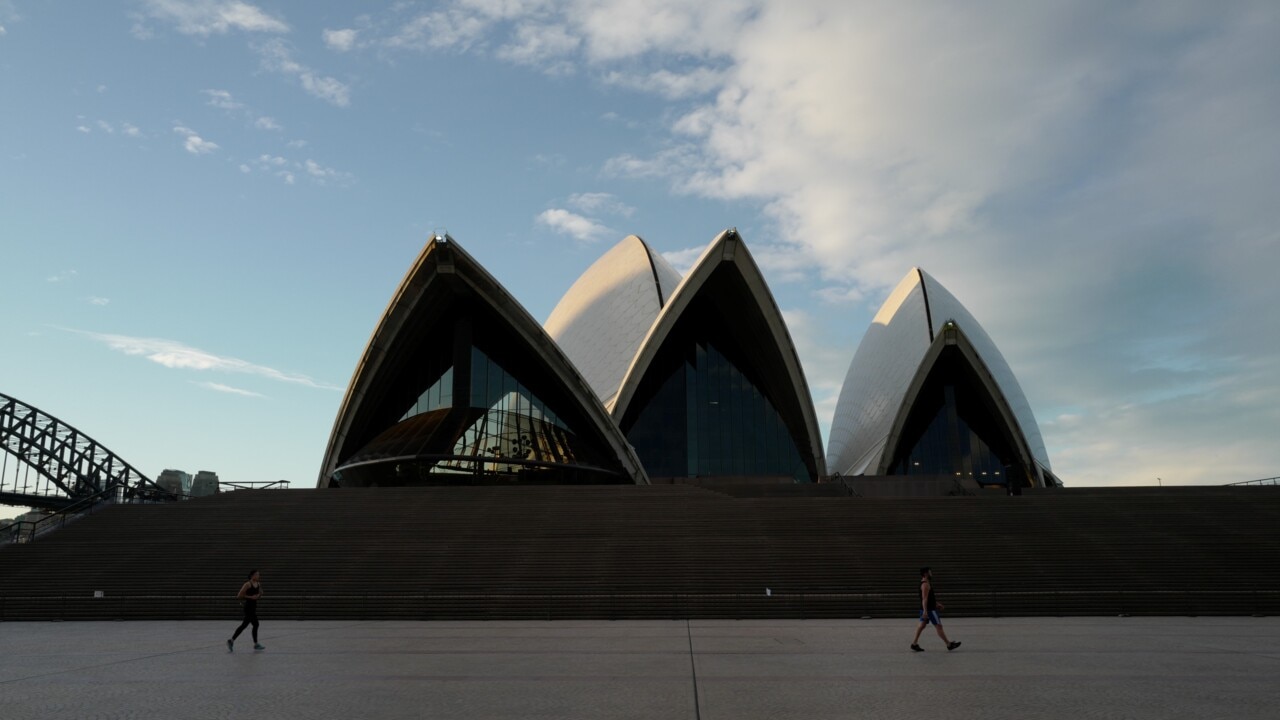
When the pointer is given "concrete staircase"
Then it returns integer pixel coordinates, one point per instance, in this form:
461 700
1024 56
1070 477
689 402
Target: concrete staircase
663 551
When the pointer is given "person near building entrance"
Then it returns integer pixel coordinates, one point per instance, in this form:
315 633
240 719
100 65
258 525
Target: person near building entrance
929 609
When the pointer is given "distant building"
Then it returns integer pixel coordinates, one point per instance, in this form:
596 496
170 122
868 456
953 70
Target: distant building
175 481
205 483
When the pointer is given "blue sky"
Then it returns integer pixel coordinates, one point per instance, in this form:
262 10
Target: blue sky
205 205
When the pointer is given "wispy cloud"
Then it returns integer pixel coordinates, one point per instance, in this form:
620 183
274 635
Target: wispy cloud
580 228
541 45
219 387
267 123
179 356
683 260
277 57
340 40
289 170
670 84
209 17
63 276
600 202
99 301
195 144
222 100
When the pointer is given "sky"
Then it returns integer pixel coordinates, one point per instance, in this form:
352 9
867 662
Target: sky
205 205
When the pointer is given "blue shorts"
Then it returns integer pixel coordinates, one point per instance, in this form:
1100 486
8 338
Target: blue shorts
931 617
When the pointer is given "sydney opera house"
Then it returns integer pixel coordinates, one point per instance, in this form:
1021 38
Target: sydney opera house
644 375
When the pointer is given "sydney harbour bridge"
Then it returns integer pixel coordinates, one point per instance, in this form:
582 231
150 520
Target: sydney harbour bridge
47 463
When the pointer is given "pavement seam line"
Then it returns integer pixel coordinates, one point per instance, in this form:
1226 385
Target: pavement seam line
693 668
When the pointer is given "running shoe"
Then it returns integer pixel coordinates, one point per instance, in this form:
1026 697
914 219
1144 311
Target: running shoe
231 646
256 646
917 648
953 645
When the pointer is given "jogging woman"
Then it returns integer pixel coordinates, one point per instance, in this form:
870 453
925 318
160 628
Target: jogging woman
248 595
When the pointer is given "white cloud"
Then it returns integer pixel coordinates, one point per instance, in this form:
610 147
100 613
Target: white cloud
599 202
222 99
340 40
84 129
840 295
452 28
63 276
175 355
669 84
195 144
106 127
219 387
102 89
245 169
538 44
3 31
576 226
681 164
684 260
320 172
267 123
278 58
130 130
210 17
296 143
99 301
323 175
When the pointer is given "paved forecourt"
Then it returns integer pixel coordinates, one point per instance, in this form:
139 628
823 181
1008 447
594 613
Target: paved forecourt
706 670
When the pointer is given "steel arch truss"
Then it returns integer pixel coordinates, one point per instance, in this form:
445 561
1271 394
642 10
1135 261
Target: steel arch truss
68 464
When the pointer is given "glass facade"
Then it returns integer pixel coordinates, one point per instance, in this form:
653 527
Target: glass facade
954 429
703 413
478 421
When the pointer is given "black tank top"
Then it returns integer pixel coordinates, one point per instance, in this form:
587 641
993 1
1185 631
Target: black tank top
930 603
251 596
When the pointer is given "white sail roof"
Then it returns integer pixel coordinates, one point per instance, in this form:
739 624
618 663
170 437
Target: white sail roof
602 319
888 359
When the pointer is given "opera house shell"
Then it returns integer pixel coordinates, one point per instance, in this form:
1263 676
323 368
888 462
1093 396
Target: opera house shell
928 393
459 384
643 375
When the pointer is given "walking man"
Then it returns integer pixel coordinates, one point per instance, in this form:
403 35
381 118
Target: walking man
248 595
929 609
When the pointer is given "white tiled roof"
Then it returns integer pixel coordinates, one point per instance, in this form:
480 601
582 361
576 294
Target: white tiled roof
886 362
601 320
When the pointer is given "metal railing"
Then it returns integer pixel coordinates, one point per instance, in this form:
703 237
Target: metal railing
24 531
1263 481
254 485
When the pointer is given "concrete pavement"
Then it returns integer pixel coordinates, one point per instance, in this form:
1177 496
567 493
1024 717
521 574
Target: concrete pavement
702 670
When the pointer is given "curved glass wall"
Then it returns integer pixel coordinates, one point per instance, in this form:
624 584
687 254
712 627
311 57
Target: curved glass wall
702 412
500 431
953 429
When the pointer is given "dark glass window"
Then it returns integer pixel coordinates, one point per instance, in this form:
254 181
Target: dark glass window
954 429
701 415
